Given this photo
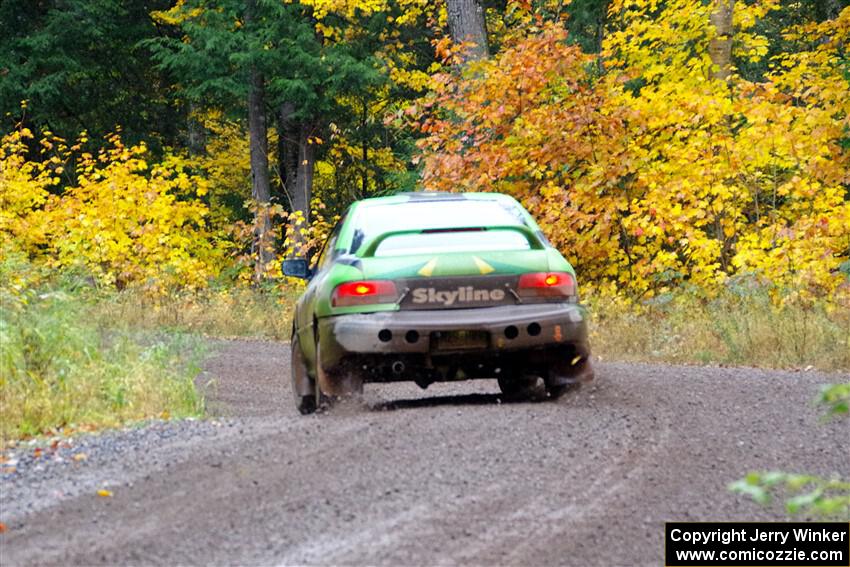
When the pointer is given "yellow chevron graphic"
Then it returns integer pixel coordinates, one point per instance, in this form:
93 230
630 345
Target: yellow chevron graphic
483 266
428 268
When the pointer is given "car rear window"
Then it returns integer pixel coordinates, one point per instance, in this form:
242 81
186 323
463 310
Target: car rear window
480 241
439 215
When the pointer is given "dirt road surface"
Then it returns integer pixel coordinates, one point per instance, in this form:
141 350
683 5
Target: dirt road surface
450 475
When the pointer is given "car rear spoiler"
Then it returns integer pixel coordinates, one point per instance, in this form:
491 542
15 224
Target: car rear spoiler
533 241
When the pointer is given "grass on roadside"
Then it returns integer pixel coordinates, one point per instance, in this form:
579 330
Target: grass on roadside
59 369
740 326
225 313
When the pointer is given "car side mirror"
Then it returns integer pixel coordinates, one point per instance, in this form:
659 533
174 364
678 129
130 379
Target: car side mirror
296 268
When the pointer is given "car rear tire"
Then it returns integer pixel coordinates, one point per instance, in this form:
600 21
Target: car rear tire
558 371
298 372
518 386
556 392
335 383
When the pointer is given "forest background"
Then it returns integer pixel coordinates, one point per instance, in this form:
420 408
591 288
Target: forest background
691 158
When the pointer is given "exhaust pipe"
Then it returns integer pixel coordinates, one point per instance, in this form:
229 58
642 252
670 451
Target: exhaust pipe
398 367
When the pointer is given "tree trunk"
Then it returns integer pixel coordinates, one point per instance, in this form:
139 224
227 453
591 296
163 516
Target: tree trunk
720 48
364 148
196 133
601 22
304 179
303 186
260 189
830 9
287 152
467 25
258 138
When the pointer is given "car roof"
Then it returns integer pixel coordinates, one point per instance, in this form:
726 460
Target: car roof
431 196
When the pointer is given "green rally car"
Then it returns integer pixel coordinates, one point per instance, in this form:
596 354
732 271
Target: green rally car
433 287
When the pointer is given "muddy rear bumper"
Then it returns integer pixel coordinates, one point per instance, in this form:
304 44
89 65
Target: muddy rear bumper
453 332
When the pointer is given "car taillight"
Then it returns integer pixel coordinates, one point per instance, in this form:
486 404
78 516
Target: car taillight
547 284
364 293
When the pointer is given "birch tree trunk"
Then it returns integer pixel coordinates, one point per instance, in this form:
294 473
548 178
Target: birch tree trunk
720 48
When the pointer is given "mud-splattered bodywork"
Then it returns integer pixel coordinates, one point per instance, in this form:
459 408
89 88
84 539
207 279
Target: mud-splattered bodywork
457 305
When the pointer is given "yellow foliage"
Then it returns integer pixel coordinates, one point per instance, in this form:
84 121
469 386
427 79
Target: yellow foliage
24 187
127 221
744 179
305 239
352 9
226 164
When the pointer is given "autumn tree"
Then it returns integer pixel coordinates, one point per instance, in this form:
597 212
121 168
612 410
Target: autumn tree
660 172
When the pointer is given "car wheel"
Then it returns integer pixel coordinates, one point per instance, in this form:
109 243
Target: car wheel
305 404
518 386
556 392
563 377
332 384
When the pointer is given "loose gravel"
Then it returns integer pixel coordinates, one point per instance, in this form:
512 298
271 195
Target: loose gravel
451 475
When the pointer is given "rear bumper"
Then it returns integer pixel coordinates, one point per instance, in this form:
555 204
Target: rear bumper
507 328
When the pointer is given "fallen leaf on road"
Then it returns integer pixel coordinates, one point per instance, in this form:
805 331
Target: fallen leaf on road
2 528
80 457
105 493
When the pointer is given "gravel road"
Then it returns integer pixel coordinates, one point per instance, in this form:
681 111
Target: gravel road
444 476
